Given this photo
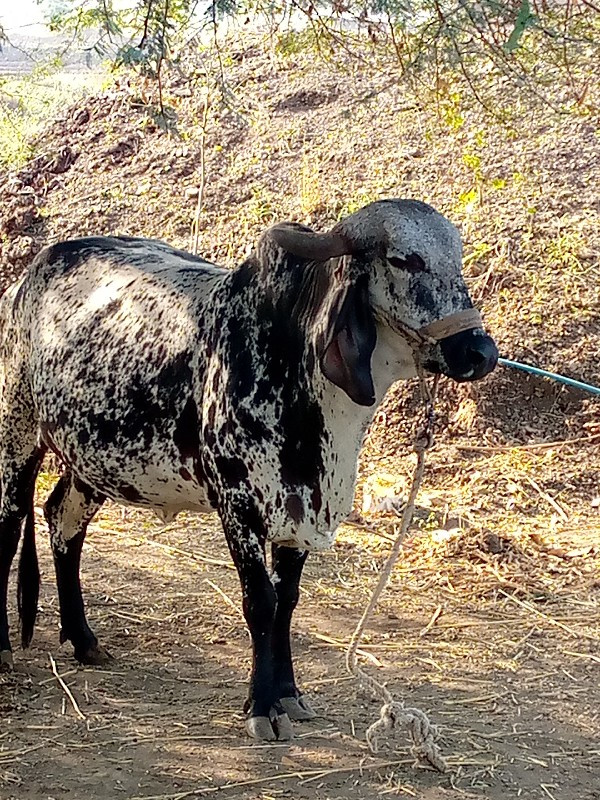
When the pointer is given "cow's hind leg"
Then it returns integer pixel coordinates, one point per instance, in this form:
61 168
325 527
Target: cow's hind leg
68 511
287 570
20 457
19 467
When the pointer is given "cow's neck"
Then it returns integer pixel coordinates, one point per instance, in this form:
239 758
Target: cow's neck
346 422
392 361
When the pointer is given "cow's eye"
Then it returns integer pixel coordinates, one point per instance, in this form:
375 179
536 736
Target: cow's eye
412 263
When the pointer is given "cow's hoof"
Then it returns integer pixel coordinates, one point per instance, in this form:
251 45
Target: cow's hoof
260 728
270 729
6 661
283 727
94 656
297 708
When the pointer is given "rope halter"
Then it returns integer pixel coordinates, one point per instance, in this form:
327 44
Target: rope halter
434 332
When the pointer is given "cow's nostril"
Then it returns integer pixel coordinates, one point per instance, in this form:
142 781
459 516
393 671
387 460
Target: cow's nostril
482 356
476 357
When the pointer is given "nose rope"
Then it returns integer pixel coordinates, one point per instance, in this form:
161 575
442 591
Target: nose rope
432 333
394 713
455 323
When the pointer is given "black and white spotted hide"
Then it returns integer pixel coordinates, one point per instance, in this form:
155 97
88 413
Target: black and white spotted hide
165 382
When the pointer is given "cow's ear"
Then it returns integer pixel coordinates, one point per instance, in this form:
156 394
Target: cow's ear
349 342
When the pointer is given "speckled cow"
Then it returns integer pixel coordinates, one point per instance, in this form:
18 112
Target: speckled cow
165 382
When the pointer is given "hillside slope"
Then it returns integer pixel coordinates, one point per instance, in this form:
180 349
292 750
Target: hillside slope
305 144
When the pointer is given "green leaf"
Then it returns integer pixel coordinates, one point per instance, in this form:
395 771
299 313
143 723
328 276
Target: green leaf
523 20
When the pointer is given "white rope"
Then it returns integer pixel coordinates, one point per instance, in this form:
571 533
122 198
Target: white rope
394 714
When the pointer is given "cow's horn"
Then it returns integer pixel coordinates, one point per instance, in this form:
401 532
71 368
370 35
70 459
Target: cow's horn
308 244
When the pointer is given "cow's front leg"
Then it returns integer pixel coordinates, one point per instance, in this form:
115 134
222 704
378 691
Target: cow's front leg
266 718
287 570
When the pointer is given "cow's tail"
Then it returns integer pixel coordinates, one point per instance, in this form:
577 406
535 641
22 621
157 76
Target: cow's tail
28 587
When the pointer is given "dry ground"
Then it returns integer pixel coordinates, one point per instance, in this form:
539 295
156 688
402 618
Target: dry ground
492 619
508 670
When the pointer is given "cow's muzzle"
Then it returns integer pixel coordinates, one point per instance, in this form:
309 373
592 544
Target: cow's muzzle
467 356
461 348
456 346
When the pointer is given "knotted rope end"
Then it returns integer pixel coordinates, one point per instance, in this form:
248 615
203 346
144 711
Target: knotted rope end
393 714
424 734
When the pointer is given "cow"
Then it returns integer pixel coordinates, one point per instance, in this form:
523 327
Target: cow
165 382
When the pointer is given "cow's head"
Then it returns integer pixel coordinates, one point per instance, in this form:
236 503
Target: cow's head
396 263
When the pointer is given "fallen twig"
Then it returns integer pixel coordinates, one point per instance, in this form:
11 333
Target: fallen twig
533 446
274 778
225 597
53 678
196 556
344 646
434 618
550 500
65 688
549 620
